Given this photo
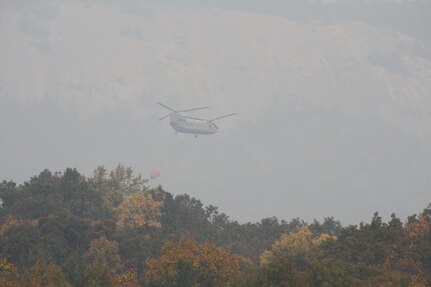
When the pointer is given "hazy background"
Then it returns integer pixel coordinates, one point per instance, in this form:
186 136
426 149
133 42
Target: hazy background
333 99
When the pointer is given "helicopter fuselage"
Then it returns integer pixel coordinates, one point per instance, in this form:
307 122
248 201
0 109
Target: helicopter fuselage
183 124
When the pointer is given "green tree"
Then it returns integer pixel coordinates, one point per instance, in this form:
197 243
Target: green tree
279 272
104 254
331 273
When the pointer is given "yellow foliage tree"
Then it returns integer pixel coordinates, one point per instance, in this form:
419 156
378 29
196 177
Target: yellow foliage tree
293 244
44 274
139 210
104 254
322 238
8 275
191 264
266 257
118 183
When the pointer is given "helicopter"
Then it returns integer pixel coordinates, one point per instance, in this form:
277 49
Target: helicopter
191 125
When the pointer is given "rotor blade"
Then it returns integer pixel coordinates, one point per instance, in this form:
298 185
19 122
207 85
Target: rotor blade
222 117
189 110
194 118
215 125
164 117
166 107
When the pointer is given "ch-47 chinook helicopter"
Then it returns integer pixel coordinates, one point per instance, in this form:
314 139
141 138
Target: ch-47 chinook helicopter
190 125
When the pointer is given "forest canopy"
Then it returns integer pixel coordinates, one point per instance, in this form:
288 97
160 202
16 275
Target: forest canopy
114 229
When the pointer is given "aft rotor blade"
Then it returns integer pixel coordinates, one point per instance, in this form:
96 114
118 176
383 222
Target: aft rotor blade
164 117
222 117
166 107
189 110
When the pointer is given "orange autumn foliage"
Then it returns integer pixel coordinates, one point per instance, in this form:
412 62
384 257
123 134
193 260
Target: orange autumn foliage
7 223
126 279
420 227
205 263
139 210
46 275
10 221
8 274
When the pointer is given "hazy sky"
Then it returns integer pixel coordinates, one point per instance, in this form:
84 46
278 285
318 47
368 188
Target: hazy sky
332 99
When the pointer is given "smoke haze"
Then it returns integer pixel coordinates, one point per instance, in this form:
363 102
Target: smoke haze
332 100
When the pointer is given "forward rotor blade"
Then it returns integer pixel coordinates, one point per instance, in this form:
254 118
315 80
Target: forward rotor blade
194 118
222 117
215 125
166 107
189 110
164 117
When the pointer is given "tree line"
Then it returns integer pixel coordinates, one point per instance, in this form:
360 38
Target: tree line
113 229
